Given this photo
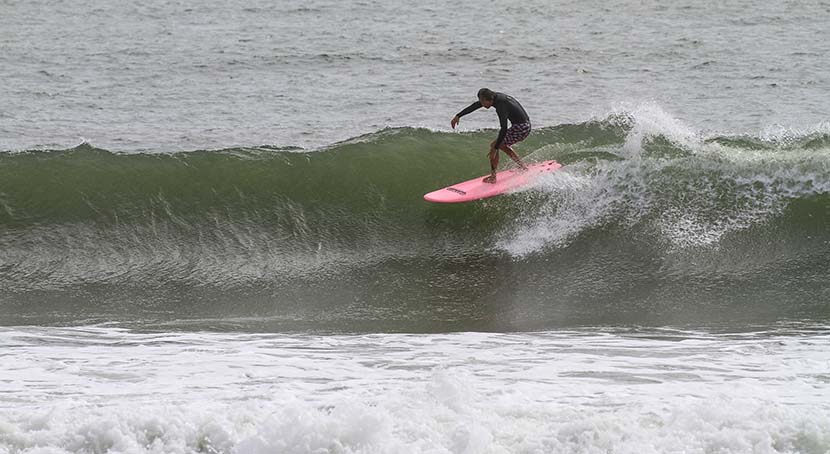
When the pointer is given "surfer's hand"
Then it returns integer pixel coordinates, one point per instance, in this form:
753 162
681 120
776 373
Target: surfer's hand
454 121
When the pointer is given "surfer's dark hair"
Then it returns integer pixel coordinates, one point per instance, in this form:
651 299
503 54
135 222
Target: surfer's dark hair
486 93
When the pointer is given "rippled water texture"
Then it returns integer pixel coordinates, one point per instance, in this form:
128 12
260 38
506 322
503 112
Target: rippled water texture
159 75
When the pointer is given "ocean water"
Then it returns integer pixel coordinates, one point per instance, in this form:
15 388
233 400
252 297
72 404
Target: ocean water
103 389
212 236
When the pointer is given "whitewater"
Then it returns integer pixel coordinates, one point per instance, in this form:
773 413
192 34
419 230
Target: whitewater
102 389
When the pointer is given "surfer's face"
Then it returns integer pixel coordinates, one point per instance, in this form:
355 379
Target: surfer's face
486 103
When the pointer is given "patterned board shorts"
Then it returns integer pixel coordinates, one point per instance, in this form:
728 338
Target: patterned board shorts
517 133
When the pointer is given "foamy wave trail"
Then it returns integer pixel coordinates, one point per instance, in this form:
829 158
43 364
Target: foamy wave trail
643 198
680 187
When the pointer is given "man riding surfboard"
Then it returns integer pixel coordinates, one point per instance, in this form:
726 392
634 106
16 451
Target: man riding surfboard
507 108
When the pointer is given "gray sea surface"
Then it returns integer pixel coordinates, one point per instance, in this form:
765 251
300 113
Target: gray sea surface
171 76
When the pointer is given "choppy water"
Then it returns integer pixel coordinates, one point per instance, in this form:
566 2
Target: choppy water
177 76
212 237
105 390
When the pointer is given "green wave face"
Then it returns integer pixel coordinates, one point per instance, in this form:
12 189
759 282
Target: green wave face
635 214
367 186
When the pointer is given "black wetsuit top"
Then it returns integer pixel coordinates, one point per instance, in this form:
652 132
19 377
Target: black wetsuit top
507 108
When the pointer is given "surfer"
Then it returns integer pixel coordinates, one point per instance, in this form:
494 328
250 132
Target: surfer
508 109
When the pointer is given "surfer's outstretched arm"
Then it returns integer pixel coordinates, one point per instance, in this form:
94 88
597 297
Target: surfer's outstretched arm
472 107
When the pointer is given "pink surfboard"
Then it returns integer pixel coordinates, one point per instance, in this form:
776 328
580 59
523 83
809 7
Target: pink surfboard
506 181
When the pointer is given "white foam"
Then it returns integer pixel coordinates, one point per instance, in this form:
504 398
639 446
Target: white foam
785 135
108 390
581 201
651 120
689 200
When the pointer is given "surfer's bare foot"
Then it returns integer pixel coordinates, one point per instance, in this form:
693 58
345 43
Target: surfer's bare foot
491 179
